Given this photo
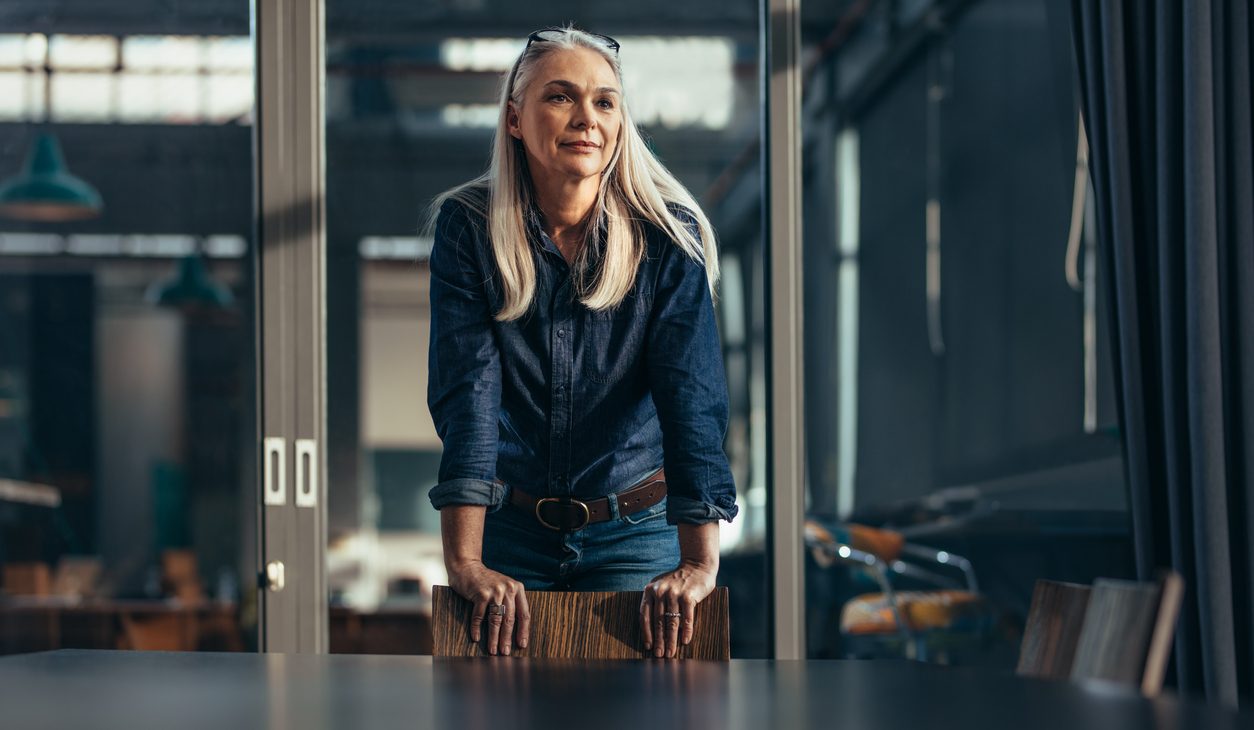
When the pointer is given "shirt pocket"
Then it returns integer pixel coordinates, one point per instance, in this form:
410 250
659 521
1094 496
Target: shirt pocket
611 344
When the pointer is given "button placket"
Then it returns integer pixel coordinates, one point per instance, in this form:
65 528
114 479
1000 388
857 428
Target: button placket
560 374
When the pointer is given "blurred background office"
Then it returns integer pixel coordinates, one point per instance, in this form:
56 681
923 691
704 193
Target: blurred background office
961 432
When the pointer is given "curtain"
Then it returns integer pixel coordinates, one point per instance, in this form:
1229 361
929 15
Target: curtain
1165 93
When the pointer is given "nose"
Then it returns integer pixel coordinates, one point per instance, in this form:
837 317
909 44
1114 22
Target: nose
584 116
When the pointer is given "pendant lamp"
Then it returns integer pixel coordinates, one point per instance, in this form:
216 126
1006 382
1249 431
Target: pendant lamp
191 287
45 190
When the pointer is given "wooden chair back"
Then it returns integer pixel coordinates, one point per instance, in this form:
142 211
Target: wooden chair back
582 626
1052 630
1128 631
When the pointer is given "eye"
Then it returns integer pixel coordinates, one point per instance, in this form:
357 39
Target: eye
557 96
607 104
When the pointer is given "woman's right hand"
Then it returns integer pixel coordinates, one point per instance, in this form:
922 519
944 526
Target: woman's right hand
483 586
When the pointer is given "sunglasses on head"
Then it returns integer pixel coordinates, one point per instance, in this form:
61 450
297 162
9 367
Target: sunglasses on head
552 34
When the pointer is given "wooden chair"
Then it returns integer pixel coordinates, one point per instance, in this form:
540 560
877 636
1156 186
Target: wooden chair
1052 630
1118 631
158 631
581 625
1128 631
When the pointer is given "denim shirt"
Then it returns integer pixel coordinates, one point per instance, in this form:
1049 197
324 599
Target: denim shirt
566 401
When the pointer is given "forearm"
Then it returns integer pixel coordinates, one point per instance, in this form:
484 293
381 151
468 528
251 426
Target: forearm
461 528
698 545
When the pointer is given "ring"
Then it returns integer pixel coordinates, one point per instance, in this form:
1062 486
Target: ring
672 614
496 609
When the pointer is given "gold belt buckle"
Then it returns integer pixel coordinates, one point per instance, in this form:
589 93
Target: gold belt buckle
587 515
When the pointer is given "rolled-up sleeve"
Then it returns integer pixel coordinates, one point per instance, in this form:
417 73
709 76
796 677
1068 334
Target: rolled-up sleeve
464 367
689 388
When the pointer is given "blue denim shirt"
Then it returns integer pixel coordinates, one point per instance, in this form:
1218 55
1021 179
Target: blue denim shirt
565 401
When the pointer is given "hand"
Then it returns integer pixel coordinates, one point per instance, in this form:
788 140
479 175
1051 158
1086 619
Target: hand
480 585
676 592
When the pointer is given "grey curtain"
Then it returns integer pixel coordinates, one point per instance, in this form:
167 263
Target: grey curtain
1165 91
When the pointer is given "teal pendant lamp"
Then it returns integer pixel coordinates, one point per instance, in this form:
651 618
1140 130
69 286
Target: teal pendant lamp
45 190
192 288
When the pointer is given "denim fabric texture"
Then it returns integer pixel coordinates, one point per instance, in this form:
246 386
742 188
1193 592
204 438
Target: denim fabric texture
623 554
566 401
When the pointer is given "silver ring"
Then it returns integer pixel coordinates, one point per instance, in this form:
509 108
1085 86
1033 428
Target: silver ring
672 614
496 609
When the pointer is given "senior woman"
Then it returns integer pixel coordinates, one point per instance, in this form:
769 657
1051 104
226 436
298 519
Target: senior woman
576 376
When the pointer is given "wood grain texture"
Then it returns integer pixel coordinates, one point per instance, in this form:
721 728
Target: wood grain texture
1052 630
568 625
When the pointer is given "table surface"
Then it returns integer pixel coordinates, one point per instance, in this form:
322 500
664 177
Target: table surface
91 689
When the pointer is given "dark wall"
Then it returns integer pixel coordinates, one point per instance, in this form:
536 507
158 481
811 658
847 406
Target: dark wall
1006 394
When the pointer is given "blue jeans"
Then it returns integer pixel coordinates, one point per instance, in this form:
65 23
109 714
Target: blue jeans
623 553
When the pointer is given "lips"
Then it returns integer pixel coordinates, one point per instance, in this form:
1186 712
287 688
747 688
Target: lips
588 145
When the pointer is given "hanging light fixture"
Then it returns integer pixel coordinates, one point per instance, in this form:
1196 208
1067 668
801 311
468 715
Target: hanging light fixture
45 190
192 287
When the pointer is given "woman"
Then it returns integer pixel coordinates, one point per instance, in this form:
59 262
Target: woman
573 354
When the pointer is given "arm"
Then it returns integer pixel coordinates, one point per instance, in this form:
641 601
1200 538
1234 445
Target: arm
464 395
679 591
461 527
689 389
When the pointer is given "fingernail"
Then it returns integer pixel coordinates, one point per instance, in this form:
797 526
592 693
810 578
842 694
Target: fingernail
522 644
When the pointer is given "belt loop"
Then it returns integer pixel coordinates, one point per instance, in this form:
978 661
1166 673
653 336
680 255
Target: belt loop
613 500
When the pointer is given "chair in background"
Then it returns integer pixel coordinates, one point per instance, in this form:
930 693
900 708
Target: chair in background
1119 631
158 631
581 625
1052 630
921 624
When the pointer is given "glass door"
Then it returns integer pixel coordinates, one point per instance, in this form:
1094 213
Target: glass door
411 96
128 396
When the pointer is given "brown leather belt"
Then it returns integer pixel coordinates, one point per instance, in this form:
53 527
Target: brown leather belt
567 514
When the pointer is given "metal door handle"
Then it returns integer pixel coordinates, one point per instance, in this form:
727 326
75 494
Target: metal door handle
275 469
275 576
306 473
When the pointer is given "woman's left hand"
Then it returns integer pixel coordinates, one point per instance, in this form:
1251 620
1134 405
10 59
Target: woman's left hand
670 602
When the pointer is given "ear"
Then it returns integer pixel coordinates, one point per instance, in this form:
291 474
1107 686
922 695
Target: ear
512 121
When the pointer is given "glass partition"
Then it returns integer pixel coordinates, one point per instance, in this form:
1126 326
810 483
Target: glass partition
410 111
127 370
961 428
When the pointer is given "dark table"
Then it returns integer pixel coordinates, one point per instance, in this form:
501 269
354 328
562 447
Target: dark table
91 689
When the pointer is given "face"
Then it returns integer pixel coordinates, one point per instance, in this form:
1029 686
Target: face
569 118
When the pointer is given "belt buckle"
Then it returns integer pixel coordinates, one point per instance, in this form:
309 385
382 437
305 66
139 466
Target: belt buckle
587 516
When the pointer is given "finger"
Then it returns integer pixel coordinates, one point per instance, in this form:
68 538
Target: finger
494 629
659 627
672 627
688 608
476 618
524 618
507 625
646 613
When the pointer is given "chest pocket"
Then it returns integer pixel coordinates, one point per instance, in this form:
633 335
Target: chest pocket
612 341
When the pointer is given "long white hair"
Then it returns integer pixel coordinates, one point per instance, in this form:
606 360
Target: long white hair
635 188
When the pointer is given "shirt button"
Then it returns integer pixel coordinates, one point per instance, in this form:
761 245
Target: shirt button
561 389
561 333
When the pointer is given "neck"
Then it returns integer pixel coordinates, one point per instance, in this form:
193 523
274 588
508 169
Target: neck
565 204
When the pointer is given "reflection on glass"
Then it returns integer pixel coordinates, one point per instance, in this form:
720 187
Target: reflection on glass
127 404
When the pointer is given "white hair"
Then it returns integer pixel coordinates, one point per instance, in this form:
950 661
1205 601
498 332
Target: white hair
635 188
